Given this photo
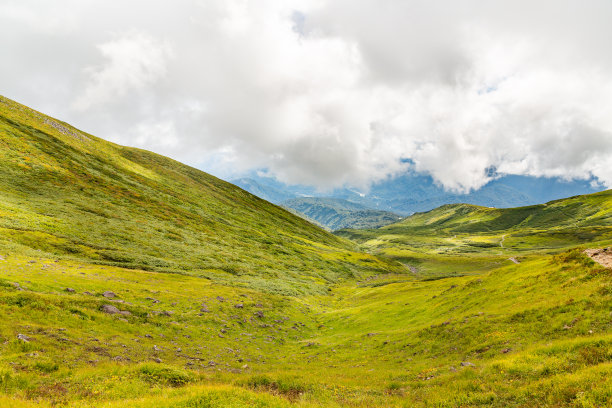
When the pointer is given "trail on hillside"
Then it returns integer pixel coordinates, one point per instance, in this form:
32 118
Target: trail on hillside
501 243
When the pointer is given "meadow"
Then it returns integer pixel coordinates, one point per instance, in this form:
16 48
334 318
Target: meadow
131 280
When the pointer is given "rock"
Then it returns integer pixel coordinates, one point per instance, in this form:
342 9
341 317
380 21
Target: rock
156 348
70 290
259 314
223 331
506 350
17 286
467 364
88 293
157 359
125 313
31 262
24 338
109 294
2 258
166 313
259 305
245 366
110 309
148 336
239 306
204 308
453 369
220 299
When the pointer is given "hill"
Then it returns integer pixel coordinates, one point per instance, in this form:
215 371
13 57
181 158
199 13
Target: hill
108 297
336 213
465 238
65 193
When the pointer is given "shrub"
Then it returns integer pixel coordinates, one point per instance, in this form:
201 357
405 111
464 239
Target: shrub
46 366
164 375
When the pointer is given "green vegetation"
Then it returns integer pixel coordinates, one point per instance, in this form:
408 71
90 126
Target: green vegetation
460 239
224 300
336 213
67 194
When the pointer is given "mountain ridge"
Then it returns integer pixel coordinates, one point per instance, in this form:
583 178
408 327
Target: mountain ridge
337 213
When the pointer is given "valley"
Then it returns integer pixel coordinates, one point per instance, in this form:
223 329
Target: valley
130 280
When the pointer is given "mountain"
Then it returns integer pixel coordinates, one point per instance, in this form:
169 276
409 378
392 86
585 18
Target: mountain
414 192
267 192
336 213
67 193
131 280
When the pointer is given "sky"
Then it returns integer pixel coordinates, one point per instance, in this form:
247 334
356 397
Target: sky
327 93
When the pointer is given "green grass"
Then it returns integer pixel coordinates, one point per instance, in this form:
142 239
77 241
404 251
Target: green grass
233 302
68 194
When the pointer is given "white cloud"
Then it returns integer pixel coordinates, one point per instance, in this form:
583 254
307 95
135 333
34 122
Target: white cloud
133 61
333 92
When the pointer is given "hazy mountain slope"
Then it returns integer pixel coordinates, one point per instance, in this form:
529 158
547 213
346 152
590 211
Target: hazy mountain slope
336 213
67 193
269 193
413 192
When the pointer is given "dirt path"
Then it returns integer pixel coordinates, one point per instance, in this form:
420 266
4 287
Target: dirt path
513 259
501 243
602 256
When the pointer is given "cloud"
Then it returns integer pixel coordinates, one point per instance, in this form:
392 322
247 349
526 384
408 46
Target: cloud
132 62
331 93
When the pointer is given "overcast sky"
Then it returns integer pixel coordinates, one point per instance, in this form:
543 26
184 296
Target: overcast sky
327 92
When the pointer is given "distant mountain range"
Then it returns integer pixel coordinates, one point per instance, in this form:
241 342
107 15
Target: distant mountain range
407 194
337 213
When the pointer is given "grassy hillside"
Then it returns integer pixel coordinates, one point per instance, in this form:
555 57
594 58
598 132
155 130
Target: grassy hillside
336 213
69 194
220 299
461 239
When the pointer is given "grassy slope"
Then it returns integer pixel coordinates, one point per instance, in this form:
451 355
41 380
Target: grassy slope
335 213
538 333
66 193
464 239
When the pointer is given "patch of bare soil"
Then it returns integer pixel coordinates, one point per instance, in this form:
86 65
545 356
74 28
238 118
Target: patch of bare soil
602 256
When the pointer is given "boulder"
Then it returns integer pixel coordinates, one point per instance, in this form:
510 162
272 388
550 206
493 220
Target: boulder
110 309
